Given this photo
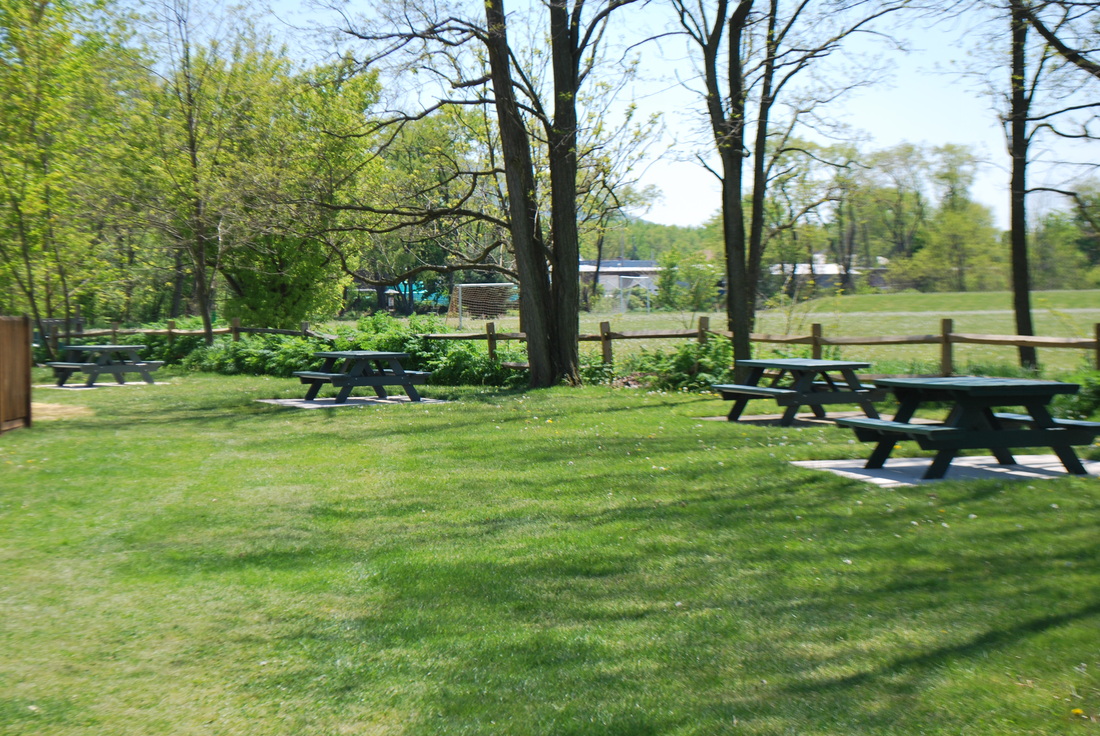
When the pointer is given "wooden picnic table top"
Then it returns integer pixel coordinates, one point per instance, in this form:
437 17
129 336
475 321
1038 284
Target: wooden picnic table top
804 364
981 386
362 355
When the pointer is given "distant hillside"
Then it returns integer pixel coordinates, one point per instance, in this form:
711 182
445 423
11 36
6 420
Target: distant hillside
645 241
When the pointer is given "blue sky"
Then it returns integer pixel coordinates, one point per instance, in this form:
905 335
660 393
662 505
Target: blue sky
924 101
919 103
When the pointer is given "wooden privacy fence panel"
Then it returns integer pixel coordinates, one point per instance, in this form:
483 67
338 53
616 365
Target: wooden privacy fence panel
15 373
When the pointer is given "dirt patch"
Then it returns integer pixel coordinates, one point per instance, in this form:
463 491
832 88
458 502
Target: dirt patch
48 412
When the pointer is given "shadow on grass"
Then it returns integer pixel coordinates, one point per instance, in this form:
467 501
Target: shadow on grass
649 617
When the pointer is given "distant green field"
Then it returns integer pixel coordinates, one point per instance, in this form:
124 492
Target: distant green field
955 301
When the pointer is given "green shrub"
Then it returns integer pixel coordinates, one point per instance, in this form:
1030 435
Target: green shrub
1085 403
691 366
273 355
174 352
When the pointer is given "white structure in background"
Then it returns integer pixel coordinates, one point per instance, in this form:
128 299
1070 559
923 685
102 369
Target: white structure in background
824 274
622 275
617 274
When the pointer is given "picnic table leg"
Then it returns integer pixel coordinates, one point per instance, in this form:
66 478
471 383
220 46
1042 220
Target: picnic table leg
869 409
62 375
738 407
881 453
854 385
789 416
345 392
401 379
939 465
378 370
314 387
1069 459
1065 453
92 375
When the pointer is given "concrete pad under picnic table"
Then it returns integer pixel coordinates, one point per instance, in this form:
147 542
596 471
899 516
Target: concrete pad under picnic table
330 402
907 471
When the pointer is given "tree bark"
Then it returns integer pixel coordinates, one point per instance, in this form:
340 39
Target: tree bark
562 138
1018 149
536 304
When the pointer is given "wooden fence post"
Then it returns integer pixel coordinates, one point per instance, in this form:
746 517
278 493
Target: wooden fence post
1096 334
235 328
605 342
114 332
491 339
946 327
171 337
305 329
704 326
815 344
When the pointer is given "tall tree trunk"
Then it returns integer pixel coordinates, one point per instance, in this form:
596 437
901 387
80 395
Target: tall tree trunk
759 168
728 128
1018 148
536 304
562 138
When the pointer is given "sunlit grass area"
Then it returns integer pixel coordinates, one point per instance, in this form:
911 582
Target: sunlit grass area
180 559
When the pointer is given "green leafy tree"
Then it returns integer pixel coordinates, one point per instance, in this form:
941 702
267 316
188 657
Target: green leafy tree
1057 261
55 62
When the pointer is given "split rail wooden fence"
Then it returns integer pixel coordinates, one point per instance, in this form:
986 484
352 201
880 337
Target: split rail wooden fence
15 373
171 332
947 338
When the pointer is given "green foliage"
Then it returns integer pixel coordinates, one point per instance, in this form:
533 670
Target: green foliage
171 352
690 366
451 362
463 363
687 282
57 153
257 355
1055 258
280 282
1085 404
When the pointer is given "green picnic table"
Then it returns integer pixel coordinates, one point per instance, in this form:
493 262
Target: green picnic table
348 369
97 360
800 382
972 422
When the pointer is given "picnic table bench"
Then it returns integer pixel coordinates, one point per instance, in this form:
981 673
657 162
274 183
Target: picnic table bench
114 360
972 424
801 382
347 369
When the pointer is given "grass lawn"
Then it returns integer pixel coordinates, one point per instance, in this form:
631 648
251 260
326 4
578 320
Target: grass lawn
179 559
